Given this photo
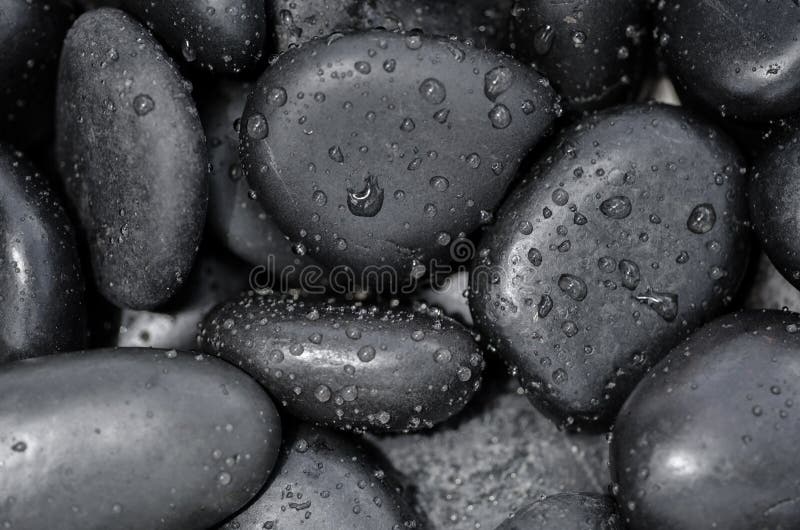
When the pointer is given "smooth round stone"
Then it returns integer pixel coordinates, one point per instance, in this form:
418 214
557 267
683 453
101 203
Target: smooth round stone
380 150
769 289
738 57
218 36
484 22
593 53
216 277
349 366
709 439
31 34
41 284
499 455
132 154
234 214
326 480
573 511
131 438
774 195
627 235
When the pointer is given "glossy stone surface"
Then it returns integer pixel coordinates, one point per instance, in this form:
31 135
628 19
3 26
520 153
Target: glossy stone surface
709 438
217 36
627 235
382 149
774 195
349 366
131 438
131 152
31 34
485 22
738 58
327 480
592 52
41 285
234 214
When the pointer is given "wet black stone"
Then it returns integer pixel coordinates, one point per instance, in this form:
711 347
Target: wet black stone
744 65
594 53
132 154
41 285
333 127
353 367
581 361
326 479
734 382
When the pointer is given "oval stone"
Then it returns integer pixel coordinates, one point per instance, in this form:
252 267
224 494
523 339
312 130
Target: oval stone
324 479
41 283
612 293
218 36
774 200
131 152
355 128
721 404
131 438
349 366
743 65
592 52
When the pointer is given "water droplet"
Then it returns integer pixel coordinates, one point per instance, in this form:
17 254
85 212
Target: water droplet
630 274
414 39
496 81
335 154
442 115
143 104
322 393
560 376
363 67
500 116
618 207
224 478
569 328
545 306
276 96
349 393
543 39
439 183
188 51
702 219
579 39
319 198
257 127
389 65
664 304
535 257
366 354
573 286
407 125
19 447
433 91
560 197
474 160
442 356
464 374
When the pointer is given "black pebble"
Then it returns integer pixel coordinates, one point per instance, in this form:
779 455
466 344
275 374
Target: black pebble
131 438
737 58
325 480
592 52
132 154
41 285
638 214
383 149
774 193
709 439
349 366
